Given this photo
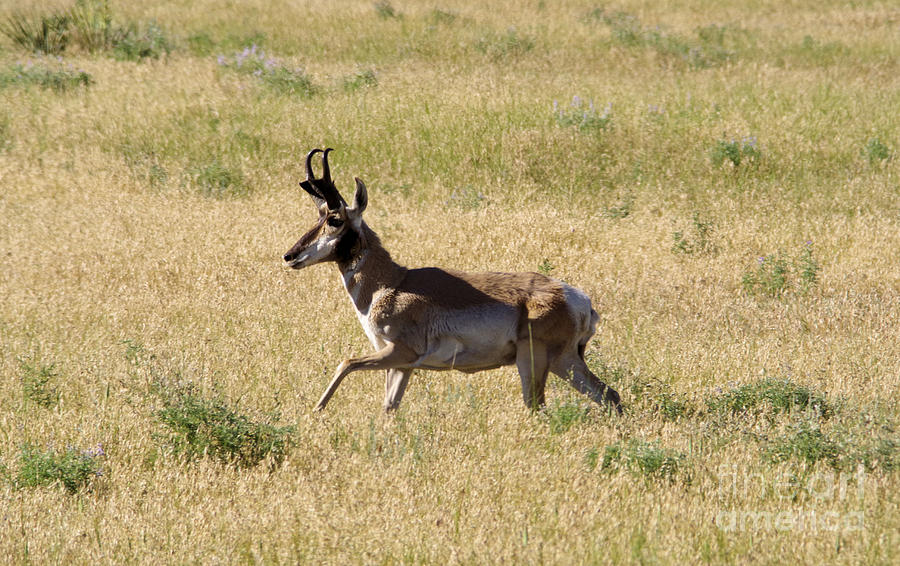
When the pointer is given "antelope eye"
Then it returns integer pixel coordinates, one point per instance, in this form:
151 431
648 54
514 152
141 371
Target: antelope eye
335 222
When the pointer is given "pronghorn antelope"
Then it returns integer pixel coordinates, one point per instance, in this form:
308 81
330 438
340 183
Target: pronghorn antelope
441 319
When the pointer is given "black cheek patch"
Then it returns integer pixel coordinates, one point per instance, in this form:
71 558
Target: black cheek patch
346 247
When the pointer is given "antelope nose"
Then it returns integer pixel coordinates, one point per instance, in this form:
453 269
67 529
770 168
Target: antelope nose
288 257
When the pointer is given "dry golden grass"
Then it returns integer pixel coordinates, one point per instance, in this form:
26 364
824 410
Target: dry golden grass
121 272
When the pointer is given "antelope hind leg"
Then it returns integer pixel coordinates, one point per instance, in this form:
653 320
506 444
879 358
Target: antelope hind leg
531 361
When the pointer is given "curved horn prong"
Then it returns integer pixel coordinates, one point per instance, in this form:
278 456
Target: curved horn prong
310 176
326 170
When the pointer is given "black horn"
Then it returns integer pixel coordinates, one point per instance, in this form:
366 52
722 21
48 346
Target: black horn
322 188
326 171
310 176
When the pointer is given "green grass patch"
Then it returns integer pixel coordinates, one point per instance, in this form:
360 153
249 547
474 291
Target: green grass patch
706 50
510 44
840 449
216 180
270 72
696 240
770 396
44 75
89 26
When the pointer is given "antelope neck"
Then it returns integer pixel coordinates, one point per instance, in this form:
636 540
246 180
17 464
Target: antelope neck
369 270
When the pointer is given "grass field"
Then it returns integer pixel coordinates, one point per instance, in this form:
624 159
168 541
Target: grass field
720 177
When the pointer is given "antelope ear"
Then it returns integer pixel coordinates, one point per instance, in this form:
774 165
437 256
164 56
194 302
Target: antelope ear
360 200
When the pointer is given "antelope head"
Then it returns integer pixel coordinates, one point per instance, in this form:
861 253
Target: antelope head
336 234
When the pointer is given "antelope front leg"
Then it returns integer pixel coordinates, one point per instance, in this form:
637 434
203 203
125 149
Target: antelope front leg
390 357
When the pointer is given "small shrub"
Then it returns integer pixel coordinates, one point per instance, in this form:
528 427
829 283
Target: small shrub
545 267
662 401
45 34
6 136
201 44
772 396
735 152
507 45
386 11
92 25
199 427
438 16
621 210
671 406
584 117
777 274
466 198
137 44
36 74
696 242
561 416
269 71
38 384
876 151
73 469
363 78
625 29
216 180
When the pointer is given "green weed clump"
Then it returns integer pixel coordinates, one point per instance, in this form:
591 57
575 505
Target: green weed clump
808 443
55 78
38 384
508 45
136 43
253 61
770 396
708 50
198 427
386 11
466 198
876 151
777 274
46 34
89 26
563 415
735 152
661 400
582 116
642 458
92 25
364 78
71 468
696 241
